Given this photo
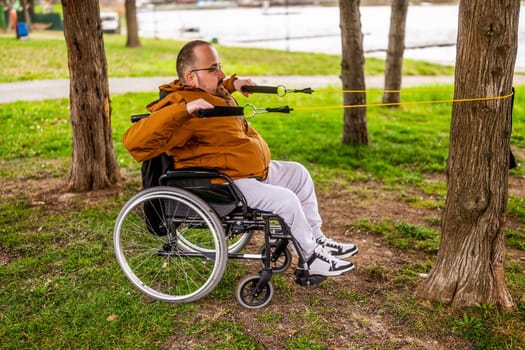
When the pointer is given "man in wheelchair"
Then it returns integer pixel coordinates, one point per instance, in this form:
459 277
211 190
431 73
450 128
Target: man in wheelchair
231 146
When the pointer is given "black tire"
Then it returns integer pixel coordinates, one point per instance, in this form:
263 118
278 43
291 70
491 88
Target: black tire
246 297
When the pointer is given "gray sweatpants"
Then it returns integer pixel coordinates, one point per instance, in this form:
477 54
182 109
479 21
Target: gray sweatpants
288 192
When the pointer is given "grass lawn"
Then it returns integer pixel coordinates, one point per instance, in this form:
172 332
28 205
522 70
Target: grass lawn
44 56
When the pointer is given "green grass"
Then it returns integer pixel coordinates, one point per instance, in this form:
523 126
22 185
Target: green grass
404 236
62 287
44 56
63 278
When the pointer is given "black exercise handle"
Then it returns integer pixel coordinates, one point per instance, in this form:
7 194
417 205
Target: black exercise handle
220 111
282 109
136 117
261 89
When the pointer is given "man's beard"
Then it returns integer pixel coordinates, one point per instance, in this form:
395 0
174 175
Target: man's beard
221 90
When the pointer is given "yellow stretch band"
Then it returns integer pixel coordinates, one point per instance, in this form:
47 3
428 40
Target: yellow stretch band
380 91
406 103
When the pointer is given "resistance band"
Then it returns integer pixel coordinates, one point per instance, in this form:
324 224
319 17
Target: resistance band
407 103
250 110
281 90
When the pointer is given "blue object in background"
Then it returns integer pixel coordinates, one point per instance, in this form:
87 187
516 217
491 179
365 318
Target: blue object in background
21 30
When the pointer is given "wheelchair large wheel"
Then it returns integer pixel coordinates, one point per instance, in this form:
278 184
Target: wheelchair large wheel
236 242
170 244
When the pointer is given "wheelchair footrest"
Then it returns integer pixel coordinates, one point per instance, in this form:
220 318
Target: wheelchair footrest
304 279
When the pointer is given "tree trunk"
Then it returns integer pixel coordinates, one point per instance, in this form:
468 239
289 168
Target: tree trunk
469 265
394 54
132 24
94 165
355 129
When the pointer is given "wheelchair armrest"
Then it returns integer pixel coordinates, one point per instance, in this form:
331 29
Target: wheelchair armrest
194 172
199 179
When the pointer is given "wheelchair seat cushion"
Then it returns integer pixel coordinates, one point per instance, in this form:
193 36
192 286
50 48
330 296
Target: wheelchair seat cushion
209 185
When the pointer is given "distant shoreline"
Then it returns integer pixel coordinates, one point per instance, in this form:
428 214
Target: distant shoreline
210 4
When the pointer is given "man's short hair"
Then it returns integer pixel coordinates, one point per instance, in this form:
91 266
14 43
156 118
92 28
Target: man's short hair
186 57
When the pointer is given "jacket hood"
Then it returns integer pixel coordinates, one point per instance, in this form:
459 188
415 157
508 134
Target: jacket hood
175 85
181 90
165 90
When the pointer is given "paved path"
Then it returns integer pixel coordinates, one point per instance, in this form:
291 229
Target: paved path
51 89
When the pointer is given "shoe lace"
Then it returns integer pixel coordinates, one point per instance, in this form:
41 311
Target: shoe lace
324 254
328 242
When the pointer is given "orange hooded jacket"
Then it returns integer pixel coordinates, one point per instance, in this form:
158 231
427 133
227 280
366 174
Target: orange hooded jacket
227 144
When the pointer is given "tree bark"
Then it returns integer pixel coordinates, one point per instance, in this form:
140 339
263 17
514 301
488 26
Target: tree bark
132 24
355 130
394 54
469 267
94 165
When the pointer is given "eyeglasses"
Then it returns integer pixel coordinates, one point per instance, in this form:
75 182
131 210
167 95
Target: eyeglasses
216 68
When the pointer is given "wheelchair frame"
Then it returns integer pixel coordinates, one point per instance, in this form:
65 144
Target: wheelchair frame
173 241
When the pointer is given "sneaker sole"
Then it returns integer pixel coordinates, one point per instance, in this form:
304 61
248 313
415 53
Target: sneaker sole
332 273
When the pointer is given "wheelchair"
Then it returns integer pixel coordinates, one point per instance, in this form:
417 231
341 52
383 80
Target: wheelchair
173 240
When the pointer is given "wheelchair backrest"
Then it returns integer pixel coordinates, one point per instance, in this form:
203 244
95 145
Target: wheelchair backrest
153 169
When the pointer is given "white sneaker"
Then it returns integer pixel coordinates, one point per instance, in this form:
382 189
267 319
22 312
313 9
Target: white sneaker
323 263
339 250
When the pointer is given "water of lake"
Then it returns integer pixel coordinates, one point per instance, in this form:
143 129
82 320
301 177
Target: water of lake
315 29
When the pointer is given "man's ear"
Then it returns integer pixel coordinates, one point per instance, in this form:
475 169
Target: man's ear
190 79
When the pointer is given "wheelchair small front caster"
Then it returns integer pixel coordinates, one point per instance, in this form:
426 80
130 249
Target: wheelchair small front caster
251 298
281 257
